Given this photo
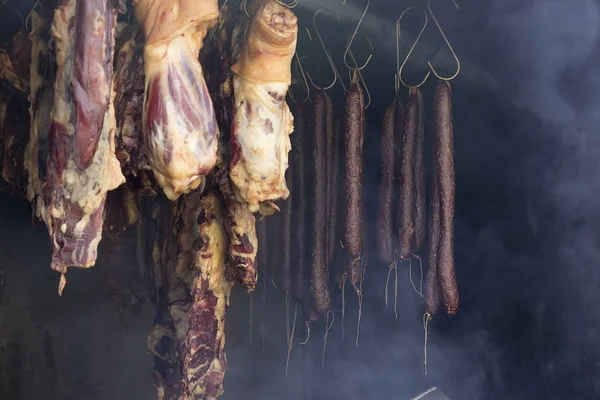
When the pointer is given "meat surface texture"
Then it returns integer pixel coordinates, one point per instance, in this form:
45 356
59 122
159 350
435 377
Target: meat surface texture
129 101
82 166
180 130
204 363
241 229
262 120
42 73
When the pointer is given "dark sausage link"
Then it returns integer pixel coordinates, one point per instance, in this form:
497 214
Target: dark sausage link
446 181
432 298
299 210
398 127
286 227
321 303
420 215
354 137
385 226
332 186
406 196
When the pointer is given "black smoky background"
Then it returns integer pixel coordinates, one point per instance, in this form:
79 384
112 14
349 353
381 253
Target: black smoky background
527 248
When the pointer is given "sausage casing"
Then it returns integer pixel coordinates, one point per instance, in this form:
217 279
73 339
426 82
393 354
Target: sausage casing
446 181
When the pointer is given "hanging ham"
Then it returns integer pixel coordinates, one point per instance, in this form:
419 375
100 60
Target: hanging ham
262 120
81 166
180 129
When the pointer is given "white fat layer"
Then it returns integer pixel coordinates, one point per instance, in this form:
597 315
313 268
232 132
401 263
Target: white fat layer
193 151
87 188
260 173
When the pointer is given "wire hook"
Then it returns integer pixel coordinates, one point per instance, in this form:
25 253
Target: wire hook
361 78
305 83
335 66
447 43
244 7
351 40
331 64
292 4
399 79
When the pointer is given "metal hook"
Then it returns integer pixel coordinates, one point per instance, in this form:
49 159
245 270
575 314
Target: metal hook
361 78
351 40
305 83
335 67
331 64
292 4
399 69
35 5
244 4
447 43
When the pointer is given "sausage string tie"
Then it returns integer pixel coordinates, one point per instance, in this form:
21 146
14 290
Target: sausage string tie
250 320
359 293
426 318
420 290
262 320
393 267
287 317
328 326
344 278
291 341
307 333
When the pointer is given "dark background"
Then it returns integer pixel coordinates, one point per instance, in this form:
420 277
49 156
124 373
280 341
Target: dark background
527 248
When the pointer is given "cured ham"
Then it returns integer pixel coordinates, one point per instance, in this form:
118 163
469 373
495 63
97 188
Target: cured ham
262 120
180 129
81 166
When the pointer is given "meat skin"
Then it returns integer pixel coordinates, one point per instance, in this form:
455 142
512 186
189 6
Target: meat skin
240 225
406 196
299 209
41 98
262 120
385 213
447 186
204 362
129 102
180 130
354 128
420 212
319 277
82 166
432 292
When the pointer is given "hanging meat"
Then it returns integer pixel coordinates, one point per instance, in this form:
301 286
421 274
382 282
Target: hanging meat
129 99
13 134
444 162
241 228
82 165
406 225
319 277
299 209
385 211
180 129
354 130
14 121
42 74
204 362
262 121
